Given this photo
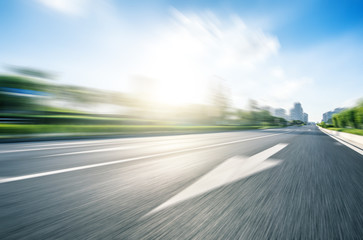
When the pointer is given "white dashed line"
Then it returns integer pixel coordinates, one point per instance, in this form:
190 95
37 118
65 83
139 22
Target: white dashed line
36 175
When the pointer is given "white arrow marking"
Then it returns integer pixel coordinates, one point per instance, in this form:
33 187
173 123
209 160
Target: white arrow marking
232 170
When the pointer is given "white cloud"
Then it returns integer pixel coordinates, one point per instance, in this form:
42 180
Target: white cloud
351 102
213 42
288 88
278 72
72 7
192 48
183 53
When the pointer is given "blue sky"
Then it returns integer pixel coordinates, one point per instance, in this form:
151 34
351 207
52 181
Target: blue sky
276 52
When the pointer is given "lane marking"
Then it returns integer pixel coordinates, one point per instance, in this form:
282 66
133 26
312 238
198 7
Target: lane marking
144 145
36 149
77 144
90 142
91 151
232 170
358 150
68 145
36 175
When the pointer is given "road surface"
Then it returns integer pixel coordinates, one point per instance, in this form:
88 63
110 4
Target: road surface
291 183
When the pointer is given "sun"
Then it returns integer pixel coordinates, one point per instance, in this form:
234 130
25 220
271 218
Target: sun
183 93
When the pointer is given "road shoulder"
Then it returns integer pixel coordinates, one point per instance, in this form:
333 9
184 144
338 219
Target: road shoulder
352 141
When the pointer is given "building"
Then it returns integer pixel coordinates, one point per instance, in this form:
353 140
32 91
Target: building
297 113
306 118
327 117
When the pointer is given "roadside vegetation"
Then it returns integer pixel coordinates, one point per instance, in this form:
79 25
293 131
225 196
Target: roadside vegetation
113 129
33 102
349 120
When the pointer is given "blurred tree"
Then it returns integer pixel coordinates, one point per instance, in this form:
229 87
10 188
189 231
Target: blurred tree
352 117
219 100
335 120
298 122
359 116
19 92
31 72
341 120
253 105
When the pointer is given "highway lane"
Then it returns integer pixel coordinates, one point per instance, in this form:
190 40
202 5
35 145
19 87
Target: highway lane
16 158
294 183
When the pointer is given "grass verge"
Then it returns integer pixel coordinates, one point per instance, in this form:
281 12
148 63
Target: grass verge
11 129
348 130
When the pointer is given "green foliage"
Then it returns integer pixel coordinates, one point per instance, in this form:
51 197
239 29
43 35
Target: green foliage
358 116
352 118
258 117
31 72
348 130
297 122
21 82
19 102
112 129
335 120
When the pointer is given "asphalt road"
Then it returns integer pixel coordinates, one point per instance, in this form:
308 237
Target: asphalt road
291 183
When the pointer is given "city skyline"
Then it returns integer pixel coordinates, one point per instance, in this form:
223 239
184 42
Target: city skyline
295 113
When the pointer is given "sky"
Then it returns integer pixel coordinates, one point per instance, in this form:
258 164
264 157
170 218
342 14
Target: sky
276 52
